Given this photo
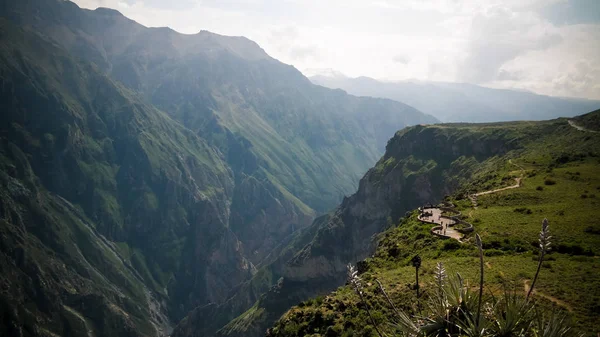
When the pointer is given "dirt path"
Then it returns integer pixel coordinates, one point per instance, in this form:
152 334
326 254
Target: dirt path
518 184
473 197
548 297
580 128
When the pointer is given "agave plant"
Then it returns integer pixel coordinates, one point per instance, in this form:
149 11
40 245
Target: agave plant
552 325
446 307
511 315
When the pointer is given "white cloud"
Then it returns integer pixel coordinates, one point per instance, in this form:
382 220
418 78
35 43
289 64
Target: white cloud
499 35
502 43
570 68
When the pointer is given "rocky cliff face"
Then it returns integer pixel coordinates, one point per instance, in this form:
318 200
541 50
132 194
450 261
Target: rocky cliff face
414 170
421 165
109 191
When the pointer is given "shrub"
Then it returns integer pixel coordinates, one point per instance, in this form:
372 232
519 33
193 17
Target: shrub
592 230
333 331
493 252
394 252
549 182
523 210
573 249
539 188
450 245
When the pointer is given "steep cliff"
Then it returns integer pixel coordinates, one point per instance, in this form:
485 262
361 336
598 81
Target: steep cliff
422 164
557 167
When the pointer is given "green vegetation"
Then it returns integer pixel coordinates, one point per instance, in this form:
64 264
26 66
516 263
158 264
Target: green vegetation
508 222
144 172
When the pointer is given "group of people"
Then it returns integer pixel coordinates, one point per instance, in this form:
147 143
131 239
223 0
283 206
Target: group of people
444 226
426 214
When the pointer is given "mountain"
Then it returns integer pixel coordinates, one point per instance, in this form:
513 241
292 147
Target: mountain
426 164
108 204
460 102
146 173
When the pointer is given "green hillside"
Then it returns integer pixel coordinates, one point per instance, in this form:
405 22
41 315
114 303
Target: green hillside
422 164
561 178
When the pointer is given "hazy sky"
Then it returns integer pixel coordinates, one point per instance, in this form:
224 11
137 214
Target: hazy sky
546 46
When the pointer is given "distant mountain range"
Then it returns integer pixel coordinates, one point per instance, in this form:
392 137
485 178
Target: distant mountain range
460 102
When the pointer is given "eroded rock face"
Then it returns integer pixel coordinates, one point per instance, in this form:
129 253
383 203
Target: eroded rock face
421 165
256 206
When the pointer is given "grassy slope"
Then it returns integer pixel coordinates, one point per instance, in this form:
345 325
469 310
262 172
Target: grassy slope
508 222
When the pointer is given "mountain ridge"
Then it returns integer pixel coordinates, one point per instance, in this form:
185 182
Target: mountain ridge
462 102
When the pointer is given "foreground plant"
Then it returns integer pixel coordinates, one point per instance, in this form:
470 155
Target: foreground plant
480 248
454 310
544 247
356 283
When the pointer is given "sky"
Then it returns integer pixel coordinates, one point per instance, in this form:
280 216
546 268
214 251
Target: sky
550 47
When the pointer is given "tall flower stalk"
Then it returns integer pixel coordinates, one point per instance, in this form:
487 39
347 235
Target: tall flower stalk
389 300
544 247
480 247
356 283
440 276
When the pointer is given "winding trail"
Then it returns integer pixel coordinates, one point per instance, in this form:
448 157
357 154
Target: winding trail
84 322
546 296
445 224
473 197
581 128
